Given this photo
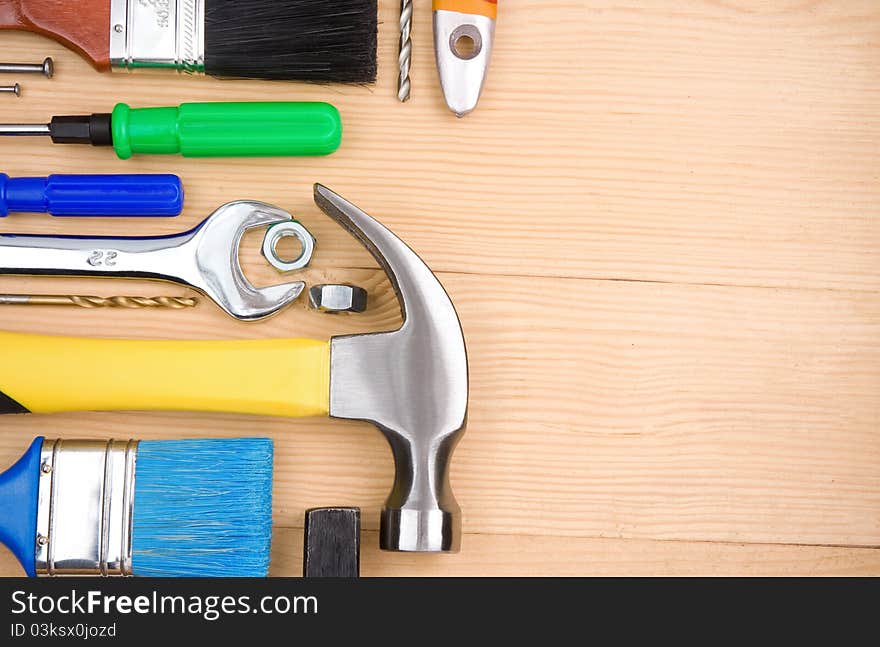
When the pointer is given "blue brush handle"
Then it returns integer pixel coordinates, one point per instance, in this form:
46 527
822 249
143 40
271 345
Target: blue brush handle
92 195
19 489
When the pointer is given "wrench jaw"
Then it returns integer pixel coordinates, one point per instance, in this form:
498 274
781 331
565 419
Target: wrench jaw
462 73
219 275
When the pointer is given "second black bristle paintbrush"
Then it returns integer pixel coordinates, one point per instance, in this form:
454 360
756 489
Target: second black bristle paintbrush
170 508
308 40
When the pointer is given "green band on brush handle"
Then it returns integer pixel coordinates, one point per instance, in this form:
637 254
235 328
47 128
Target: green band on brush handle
244 129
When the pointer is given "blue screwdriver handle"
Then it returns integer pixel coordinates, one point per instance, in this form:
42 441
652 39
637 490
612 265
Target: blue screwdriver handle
92 195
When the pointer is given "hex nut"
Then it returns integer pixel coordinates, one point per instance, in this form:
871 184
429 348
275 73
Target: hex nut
335 298
284 229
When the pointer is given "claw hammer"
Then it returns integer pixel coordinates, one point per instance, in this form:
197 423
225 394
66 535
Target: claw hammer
412 383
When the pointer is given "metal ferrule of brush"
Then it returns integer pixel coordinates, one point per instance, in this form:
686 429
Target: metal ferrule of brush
157 33
85 509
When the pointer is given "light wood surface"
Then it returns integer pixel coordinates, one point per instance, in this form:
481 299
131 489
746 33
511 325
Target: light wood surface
660 229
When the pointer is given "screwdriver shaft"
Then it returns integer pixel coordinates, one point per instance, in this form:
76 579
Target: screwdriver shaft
174 303
23 130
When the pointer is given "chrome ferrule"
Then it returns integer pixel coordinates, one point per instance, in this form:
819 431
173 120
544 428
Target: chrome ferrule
157 34
85 508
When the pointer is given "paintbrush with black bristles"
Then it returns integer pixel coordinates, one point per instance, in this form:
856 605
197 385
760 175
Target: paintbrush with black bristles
307 40
162 508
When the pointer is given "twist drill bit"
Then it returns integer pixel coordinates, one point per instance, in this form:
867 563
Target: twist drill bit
174 303
404 58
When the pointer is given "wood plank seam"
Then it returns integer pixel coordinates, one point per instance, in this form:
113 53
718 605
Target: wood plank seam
684 540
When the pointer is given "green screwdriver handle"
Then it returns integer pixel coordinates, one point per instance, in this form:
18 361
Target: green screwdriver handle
244 129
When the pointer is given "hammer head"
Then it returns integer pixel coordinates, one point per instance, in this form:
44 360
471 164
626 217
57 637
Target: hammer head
412 383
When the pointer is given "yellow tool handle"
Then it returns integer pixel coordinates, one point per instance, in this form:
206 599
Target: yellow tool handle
279 377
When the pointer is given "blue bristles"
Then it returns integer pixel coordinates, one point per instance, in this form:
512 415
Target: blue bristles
203 508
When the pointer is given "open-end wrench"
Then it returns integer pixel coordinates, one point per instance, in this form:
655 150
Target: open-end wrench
204 258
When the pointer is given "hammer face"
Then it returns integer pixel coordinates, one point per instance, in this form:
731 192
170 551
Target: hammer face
411 383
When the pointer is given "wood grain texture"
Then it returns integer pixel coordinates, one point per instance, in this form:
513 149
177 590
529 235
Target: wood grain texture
660 229
82 25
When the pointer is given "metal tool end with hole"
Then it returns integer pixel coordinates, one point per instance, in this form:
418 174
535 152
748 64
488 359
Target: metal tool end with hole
282 230
464 31
335 298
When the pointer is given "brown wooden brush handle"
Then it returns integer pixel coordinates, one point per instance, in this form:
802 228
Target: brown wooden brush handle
82 25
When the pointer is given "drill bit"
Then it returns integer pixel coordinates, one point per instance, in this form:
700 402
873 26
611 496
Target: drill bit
404 58
174 303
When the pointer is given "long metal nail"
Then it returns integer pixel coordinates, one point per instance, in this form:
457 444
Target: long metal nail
46 68
12 89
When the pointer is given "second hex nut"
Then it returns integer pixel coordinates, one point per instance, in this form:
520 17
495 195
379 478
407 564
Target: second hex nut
334 298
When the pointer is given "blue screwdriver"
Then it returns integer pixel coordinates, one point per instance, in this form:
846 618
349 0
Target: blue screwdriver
92 195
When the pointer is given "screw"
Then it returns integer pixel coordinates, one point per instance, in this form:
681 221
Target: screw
12 89
42 540
45 468
46 68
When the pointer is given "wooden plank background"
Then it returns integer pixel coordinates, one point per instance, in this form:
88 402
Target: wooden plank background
661 232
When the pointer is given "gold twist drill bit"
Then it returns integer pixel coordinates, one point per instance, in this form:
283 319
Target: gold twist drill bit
175 303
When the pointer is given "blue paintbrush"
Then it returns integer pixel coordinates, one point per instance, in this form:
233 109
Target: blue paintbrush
164 508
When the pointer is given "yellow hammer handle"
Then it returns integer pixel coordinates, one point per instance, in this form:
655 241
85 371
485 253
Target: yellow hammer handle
279 377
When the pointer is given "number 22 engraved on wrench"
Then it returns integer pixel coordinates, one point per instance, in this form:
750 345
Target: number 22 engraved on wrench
102 257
